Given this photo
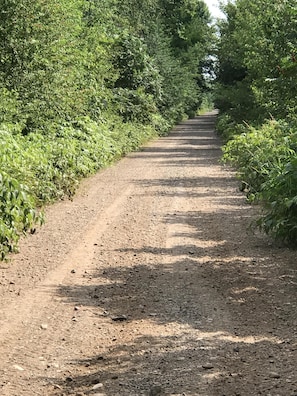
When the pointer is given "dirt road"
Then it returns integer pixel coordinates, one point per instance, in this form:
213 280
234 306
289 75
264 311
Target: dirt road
150 283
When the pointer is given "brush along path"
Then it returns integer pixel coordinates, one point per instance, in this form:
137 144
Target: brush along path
150 283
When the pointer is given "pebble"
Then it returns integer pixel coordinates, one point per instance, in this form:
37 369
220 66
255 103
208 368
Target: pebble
44 326
97 386
19 368
119 318
207 366
274 375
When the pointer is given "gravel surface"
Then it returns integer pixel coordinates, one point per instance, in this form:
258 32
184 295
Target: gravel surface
151 282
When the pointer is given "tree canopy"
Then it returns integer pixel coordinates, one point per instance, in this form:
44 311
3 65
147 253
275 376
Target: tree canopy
82 82
256 93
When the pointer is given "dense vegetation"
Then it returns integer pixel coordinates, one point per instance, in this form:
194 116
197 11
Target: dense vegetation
256 95
82 82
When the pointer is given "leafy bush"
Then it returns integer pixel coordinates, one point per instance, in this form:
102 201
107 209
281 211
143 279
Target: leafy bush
134 105
279 197
258 152
267 165
82 83
228 128
17 213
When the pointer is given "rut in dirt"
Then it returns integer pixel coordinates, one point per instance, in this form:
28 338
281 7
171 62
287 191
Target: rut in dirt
151 283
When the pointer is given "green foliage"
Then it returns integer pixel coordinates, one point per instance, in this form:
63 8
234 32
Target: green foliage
136 68
257 80
186 22
266 162
9 109
257 153
207 104
279 195
40 59
17 213
82 83
44 169
228 128
257 60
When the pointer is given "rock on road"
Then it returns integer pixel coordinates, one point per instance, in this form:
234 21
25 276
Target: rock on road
150 283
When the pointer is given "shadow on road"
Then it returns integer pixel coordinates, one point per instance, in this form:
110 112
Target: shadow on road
211 313
198 301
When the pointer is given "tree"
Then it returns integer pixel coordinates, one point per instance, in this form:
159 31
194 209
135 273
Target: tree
258 45
40 59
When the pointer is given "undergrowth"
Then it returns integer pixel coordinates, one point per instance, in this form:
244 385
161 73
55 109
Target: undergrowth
266 161
36 170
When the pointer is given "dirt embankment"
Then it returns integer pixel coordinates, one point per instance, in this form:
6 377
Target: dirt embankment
150 283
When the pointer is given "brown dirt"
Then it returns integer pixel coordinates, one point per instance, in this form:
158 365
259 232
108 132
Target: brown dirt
151 283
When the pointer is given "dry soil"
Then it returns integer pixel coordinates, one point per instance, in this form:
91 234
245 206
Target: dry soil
150 282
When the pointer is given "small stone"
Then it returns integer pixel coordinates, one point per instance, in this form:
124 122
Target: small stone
274 375
76 308
119 318
73 271
97 386
68 379
207 366
19 368
44 326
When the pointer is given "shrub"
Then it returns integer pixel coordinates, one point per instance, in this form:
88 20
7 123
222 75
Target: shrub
279 197
258 152
267 165
17 213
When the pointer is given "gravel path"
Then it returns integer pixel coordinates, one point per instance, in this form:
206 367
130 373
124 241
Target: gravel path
150 283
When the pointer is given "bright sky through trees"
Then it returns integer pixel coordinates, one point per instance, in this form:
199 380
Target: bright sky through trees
214 9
